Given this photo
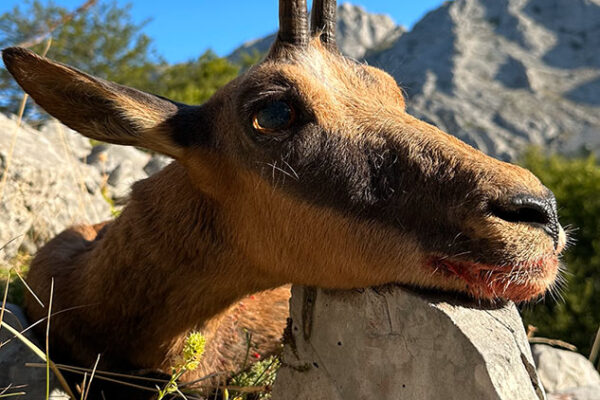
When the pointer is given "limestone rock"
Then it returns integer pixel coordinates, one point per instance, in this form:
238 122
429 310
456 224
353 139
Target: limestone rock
47 187
561 370
157 163
580 393
505 74
121 166
392 343
13 357
58 179
63 137
359 31
106 157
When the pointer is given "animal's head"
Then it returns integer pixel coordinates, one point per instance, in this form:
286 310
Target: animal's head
320 174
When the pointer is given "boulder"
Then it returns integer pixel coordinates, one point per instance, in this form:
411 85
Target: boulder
561 370
394 343
121 166
157 163
13 357
579 393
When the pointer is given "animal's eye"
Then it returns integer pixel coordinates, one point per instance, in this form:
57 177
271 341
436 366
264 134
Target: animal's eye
274 117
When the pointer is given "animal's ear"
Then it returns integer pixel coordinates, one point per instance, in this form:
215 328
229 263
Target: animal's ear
102 110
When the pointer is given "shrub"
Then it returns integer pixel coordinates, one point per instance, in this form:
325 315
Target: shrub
576 183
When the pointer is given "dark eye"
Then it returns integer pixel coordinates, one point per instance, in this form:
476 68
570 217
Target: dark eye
274 117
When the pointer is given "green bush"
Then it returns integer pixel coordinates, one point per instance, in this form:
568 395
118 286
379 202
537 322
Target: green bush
575 315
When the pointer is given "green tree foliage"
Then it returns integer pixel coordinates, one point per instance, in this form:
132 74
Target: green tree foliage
104 41
195 81
576 184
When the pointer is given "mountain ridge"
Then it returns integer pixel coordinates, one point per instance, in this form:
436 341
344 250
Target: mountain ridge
505 74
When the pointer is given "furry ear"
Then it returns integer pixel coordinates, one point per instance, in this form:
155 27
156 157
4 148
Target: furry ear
99 109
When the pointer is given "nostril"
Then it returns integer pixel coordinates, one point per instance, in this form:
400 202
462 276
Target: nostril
530 210
526 213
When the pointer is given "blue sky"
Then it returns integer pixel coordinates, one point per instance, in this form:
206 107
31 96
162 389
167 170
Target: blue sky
183 29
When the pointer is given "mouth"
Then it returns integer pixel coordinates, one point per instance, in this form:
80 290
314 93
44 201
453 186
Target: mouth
519 282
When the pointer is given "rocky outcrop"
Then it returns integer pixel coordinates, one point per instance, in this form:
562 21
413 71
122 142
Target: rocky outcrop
579 393
392 343
47 187
358 32
56 179
505 74
566 373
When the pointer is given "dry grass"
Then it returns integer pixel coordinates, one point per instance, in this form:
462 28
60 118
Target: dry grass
35 349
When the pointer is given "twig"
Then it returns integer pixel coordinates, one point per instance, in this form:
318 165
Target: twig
531 330
2 396
87 389
16 271
595 348
553 342
240 389
98 376
4 300
52 27
9 387
9 242
191 383
81 370
42 320
48 340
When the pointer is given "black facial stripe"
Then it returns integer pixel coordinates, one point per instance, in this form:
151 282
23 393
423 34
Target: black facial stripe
378 182
192 126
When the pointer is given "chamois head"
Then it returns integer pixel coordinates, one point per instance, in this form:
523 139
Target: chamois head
320 177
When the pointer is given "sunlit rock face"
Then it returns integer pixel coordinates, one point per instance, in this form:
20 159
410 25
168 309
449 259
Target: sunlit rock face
505 74
393 343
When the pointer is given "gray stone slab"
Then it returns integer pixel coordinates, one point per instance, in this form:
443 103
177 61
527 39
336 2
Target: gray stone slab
392 343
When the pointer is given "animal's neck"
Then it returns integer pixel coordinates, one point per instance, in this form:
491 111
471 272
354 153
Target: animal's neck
165 266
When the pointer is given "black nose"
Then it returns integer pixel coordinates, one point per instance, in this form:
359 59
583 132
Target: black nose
528 209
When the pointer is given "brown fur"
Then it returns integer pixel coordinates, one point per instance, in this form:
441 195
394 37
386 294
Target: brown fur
355 193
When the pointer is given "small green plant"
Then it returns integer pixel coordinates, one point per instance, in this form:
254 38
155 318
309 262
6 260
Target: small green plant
114 211
189 361
262 373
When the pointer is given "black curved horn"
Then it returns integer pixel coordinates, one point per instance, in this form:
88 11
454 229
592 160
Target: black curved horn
323 22
293 22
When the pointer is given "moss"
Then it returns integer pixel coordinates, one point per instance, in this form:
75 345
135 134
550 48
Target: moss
16 290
